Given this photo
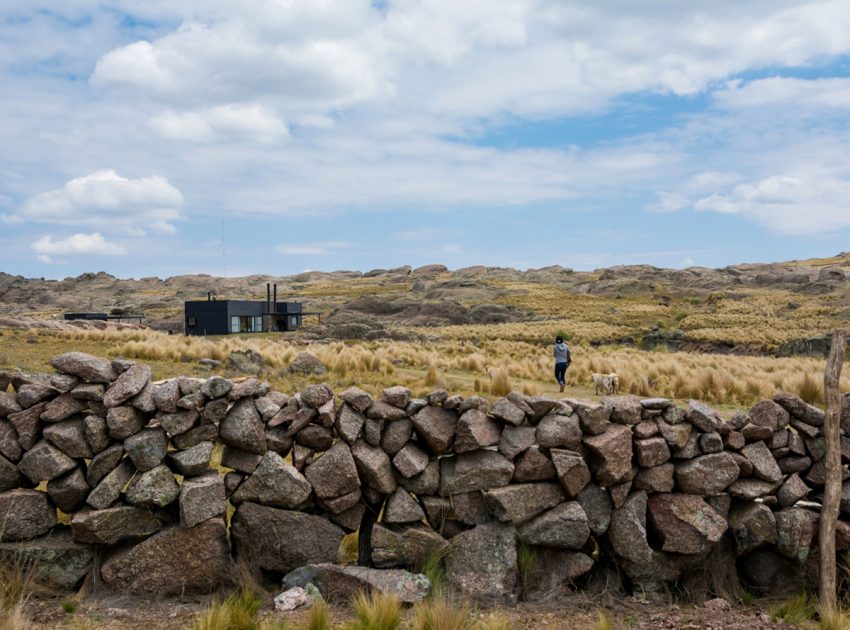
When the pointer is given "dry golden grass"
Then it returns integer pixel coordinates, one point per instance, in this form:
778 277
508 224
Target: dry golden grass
461 365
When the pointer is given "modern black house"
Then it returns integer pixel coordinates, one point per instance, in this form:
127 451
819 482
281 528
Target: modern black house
223 317
90 316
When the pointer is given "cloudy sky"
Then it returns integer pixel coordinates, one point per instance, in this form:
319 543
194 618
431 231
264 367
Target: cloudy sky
153 137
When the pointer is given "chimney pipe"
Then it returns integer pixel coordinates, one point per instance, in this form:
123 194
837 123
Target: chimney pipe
268 295
274 302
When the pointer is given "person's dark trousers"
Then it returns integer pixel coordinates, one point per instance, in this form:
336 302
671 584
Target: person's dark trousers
560 373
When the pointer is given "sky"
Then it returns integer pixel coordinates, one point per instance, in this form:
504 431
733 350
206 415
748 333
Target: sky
158 138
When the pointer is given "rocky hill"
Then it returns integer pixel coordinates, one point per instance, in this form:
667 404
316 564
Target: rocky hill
356 304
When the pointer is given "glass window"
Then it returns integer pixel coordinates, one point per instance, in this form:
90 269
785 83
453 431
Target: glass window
234 324
192 321
293 321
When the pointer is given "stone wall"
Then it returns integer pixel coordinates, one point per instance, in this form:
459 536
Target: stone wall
640 490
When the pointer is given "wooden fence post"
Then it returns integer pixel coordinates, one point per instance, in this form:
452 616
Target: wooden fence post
832 463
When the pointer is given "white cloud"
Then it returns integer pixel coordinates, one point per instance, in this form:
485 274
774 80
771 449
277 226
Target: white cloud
804 94
76 245
104 198
311 249
240 121
787 204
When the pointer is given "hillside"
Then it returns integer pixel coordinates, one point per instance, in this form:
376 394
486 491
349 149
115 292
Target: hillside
740 309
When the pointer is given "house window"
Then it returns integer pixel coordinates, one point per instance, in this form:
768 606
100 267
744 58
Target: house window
191 321
293 321
246 324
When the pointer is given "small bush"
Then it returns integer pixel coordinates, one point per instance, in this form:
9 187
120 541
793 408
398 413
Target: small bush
431 377
69 606
236 612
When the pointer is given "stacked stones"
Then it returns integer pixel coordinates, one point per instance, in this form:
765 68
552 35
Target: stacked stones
657 488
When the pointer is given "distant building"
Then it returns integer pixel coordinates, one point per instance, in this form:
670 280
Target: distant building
90 316
223 317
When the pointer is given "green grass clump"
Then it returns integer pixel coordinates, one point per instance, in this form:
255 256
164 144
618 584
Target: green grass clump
442 612
69 606
794 611
603 622
319 616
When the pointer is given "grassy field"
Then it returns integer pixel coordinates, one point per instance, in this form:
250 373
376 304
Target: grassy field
462 365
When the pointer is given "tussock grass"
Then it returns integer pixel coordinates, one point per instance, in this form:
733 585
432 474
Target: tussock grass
442 612
526 561
348 548
237 611
795 610
432 565
16 586
603 622
319 617
375 611
501 384
833 618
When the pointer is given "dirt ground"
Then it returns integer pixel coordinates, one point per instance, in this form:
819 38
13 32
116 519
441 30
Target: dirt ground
574 612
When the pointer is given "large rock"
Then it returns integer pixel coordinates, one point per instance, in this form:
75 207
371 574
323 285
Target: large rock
702 416
103 463
177 423
552 572
402 508
202 498
90 369
109 489
395 435
124 421
175 561
9 476
474 471
593 416
753 525
507 411
25 514
147 448
652 451
62 408
534 465
563 527
394 546
518 503
275 483
426 482
334 473
436 427
795 533
97 433
557 431
357 398
707 475
764 466
685 523
482 563
306 363
193 461
626 409
475 430
69 436
656 479
27 425
349 422
597 504
114 524
69 491
627 535
374 467
154 488
515 440
272 539
612 454
799 409
769 415
9 446
44 462
410 460
54 562
127 385
243 427
338 582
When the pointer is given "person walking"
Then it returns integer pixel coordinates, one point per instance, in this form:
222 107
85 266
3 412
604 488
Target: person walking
562 361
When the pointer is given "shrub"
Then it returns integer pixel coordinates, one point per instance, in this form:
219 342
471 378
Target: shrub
375 611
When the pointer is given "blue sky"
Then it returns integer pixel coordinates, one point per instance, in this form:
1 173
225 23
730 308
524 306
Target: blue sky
161 138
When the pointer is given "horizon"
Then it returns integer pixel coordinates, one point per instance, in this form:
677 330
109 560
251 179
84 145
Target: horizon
272 138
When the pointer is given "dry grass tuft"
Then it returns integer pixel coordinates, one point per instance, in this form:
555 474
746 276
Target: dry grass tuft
833 618
431 376
237 611
442 612
348 548
603 622
501 383
319 617
375 611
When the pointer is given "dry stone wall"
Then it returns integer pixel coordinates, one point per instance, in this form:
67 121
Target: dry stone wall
639 489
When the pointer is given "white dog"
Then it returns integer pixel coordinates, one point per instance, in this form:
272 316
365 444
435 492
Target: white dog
606 383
